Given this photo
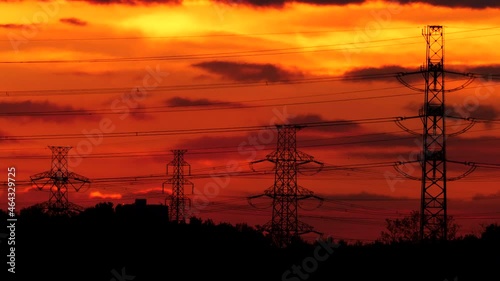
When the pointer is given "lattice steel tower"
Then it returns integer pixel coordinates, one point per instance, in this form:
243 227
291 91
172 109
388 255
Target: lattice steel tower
285 193
59 178
433 160
433 209
178 202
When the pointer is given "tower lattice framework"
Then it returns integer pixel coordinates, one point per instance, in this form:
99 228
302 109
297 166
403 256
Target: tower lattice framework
58 179
433 159
433 209
286 193
178 202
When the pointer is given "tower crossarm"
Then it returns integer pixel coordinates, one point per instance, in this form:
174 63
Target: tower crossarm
41 180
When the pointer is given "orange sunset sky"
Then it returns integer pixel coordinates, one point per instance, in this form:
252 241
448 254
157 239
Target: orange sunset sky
125 82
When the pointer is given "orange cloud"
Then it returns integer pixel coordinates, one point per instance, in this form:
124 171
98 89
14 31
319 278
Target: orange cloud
98 194
28 189
73 21
153 190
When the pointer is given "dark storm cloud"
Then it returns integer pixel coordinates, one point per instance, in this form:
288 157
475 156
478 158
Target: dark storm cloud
488 72
81 73
263 141
3 135
281 3
478 111
413 107
365 196
41 111
376 71
383 73
226 142
249 72
484 73
74 21
332 2
475 4
481 111
473 149
324 125
480 196
379 142
245 147
131 2
140 113
371 146
13 26
406 148
180 101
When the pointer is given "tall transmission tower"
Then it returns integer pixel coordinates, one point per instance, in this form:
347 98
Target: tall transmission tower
178 202
59 178
286 193
433 205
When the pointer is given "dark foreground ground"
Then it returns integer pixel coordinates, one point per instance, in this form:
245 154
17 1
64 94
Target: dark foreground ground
101 245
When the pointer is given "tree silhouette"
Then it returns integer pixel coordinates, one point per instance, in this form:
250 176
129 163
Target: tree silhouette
491 233
152 248
407 229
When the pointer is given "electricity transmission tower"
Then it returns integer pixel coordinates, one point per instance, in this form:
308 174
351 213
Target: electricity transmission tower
59 178
178 203
286 193
433 160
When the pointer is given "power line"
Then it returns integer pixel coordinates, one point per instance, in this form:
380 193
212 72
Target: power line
194 87
264 52
198 130
297 32
169 109
201 35
190 87
309 143
209 150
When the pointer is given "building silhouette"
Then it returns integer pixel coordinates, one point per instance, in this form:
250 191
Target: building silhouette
140 210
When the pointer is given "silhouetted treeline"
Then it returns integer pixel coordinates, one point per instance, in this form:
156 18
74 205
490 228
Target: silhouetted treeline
100 242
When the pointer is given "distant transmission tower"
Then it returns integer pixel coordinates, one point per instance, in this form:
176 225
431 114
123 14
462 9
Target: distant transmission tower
433 207
285 193
178 203
59 178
